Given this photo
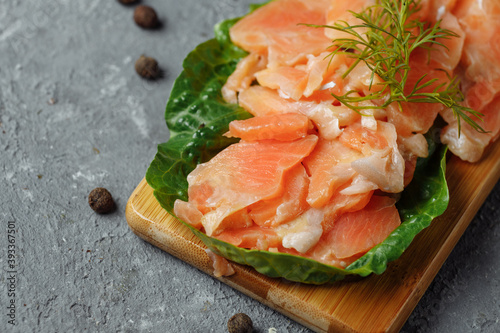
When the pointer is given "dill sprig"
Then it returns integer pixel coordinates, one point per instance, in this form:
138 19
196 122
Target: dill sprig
384 41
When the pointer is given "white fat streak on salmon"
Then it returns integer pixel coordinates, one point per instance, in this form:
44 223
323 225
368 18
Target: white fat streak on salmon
360 79
368 120
413 145
324 117
360 184
384 167
303 232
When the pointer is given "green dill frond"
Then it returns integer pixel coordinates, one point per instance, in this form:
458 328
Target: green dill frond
384 42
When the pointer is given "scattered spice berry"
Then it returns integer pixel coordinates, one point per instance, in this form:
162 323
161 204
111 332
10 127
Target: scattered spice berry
240 323
128 2
101 201
147 67
146 17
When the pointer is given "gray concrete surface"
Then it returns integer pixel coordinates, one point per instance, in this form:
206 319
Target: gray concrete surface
73 116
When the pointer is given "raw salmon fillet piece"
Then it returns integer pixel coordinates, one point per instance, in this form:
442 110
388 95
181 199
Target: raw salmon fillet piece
243 76
357 232
254 237
241 175
281 127
343 203
274 30
382 162
290 204
480 61
329 167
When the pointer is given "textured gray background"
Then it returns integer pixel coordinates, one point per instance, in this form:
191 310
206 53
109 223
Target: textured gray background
78 271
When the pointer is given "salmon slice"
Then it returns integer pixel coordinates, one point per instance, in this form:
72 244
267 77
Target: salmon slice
323 253
243 76
417 117
480 94
340 11
327 118
302 233
361 139
323 70
274 30
470 145
480 20
289 80
360 80
305 79
325 94
342 203
382 163
414 145
414 117
188 212
437 8
449 55
241 175
262 101
221 266
254 237
357 232
199 194
276 211
410 165
281 127
329 167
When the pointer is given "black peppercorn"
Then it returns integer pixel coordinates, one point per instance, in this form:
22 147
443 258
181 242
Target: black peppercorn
101 201
147 67
146 17
240 323
128 2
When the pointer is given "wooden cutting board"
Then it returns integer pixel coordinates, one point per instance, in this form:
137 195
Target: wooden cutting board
378 303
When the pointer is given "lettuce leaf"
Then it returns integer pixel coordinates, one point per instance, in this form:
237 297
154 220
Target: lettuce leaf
197 116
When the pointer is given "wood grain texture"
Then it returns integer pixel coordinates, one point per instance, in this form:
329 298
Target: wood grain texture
378 303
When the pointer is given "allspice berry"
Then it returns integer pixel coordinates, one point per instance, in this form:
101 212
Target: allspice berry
240 323
147 67
101 201
146 17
